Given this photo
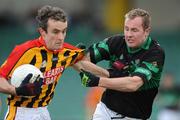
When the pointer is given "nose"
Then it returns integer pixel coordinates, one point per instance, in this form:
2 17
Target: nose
128 33
61 36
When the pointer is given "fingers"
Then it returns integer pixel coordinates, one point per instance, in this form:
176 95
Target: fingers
39 80
27 79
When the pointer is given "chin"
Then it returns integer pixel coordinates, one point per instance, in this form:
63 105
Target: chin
131 45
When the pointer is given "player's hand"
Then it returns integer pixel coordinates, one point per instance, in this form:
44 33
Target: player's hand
88 79
30 89
81 46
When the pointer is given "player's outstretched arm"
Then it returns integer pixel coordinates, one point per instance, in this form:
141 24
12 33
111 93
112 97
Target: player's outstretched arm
88 66
126 84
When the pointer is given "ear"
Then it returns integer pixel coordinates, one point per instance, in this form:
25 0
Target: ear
42 32
148 31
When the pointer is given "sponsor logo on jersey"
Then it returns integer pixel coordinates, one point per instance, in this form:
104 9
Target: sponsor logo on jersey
52 75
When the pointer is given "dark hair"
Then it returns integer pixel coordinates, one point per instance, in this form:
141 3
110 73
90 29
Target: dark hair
140 13
48 12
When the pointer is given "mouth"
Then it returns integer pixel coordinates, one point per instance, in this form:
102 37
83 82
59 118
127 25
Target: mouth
130 40
60 44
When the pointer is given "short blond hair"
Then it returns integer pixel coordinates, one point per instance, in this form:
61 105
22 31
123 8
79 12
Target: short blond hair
140 13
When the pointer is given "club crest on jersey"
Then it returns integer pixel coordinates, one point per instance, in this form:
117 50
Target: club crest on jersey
52 75
55 59
155 63
137 61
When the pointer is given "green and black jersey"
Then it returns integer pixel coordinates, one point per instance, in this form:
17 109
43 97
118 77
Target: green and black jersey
146 62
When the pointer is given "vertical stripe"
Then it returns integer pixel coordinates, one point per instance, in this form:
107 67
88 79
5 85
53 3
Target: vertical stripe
11 113
44 58
23 99
51 96
33 61
74 57
42 69
54 61
42 102
50 92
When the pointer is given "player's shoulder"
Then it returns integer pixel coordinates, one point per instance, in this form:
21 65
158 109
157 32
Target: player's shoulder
156 45
155 49
116 37
115 41
27 45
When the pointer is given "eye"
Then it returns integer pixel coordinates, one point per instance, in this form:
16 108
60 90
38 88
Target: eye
135 30
64 31
55 31
126 28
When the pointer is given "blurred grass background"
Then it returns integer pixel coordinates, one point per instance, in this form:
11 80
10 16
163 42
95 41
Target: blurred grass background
91 21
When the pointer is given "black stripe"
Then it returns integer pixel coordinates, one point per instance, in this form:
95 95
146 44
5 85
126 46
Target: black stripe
44 58
47 93
33 61
54 61
63 63
67 53
42 69
10 98
50 87
74 57
51 96
18 103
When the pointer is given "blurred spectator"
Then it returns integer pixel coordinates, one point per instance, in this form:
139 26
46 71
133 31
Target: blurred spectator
8 19
169 99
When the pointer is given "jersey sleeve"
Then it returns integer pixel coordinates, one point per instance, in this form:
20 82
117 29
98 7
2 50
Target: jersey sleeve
106 49
10 62
151 65
78 56
16 58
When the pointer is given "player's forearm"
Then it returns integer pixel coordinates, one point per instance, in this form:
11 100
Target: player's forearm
126 84
6 88
90 67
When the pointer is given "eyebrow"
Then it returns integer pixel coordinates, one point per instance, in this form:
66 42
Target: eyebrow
55 29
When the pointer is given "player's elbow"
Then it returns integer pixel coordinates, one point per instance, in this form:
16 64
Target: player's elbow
133 87
136 83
